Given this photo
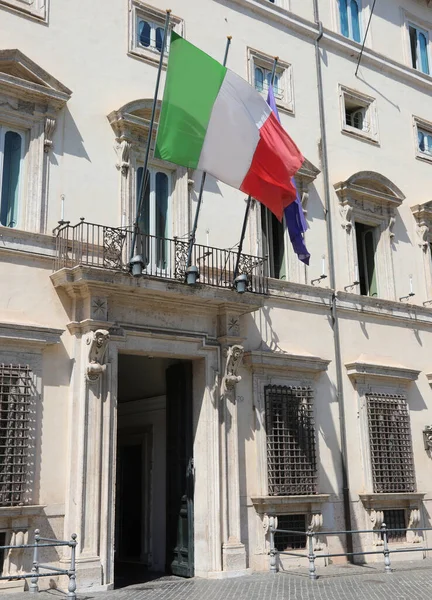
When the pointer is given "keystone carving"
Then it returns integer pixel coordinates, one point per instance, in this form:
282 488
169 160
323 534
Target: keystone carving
98 342
234 355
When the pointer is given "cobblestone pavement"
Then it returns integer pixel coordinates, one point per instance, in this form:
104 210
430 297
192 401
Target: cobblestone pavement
407 582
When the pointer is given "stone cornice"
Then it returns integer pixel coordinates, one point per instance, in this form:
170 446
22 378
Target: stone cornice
363 371
34 244
265 362
279 504
372 500
22 511
31 336
300 293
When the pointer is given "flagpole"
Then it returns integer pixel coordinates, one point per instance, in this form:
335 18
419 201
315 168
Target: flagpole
203 178
249 200
144 179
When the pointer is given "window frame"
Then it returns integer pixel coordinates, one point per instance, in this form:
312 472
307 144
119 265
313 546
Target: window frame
269 218
426 32
4 128
363 101
409 19
258 59
38 9
140 10
420 124
375 233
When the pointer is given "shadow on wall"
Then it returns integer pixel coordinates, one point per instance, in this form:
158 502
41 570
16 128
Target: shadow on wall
73 142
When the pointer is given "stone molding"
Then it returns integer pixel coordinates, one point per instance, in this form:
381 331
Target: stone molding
423 216
28 336
31 100
372 500
278 505
37 9
281 362
363 371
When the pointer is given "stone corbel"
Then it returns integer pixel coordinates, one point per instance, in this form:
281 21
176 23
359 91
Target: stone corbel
98 342
391 223
377 519
427 437
423 232
315 526
234 356
49 128
123 156
413 523
423 216
346 212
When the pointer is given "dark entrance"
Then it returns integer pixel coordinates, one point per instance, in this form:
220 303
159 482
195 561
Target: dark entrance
154 491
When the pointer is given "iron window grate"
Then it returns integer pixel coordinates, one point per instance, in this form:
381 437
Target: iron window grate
395 519
390 444
15 398
291 541
291 457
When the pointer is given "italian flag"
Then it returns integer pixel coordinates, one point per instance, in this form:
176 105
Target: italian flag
213 120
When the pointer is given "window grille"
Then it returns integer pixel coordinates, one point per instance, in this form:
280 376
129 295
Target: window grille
395 519
390 444
291 541
290 441
14 432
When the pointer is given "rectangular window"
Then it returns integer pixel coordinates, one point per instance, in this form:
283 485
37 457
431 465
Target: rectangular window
349 14
11 169
262 81
273 241
395 519
146 31
290 430
34 8
366 269
14 433
359 116
154 221
419 47
390 444
291 541
260 77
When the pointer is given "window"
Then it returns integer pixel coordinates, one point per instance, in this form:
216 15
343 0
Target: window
146 31
34 8
11 167
291 460
395 519
419 46
366 248
14 433
291 541
273 242
260 73
358 113
155 214
349 13
390 444
423 138
262 80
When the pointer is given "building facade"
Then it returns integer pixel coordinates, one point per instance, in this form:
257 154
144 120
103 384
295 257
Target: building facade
167 423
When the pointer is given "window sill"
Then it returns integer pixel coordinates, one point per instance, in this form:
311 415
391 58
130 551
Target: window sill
360 135
33 510
282 504
151 58
424 157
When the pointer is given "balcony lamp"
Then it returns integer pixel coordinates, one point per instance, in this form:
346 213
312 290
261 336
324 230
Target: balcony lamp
241 283
192 275
137 265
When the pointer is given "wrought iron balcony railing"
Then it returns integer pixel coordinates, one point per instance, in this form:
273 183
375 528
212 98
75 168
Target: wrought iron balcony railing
105 247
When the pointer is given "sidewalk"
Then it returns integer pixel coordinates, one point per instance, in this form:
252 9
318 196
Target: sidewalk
409 580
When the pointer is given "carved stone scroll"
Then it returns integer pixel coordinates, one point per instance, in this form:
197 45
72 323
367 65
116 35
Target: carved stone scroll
98 342
50 125
234 356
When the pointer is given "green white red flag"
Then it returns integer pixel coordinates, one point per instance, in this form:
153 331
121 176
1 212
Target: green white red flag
213 120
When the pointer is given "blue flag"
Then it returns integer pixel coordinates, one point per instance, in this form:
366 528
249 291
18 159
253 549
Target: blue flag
294 215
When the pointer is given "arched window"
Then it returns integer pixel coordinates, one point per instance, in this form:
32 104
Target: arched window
349 13
150 35
419 45
11 150
144 33
259 79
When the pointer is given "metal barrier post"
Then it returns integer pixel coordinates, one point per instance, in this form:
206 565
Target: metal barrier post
386 551
34 587
72 571
273 551
311 555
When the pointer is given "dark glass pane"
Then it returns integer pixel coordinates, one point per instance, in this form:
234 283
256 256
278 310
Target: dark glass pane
10 178
413 44
343 11
159 38
161 217
144 33
424 59
421 141
259 79
143 242
369 244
